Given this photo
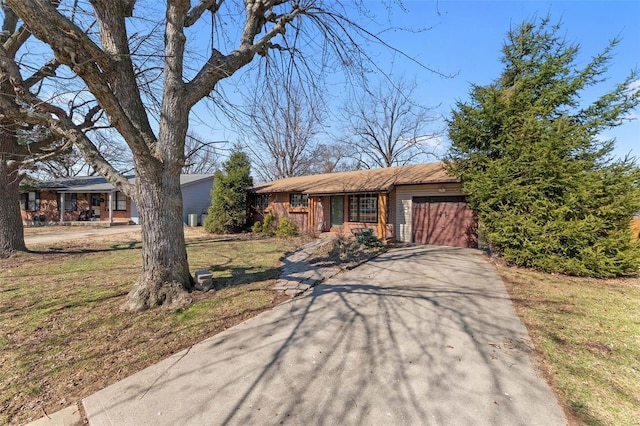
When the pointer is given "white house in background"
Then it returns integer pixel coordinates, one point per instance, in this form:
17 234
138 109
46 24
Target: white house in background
93 198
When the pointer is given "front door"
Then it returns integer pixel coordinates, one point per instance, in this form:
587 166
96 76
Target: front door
337 212
95 205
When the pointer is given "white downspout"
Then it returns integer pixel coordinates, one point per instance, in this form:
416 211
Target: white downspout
61 207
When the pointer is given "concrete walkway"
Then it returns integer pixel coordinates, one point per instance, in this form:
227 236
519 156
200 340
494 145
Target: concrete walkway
298 275
420 335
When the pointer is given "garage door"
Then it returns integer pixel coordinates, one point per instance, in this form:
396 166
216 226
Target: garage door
446 221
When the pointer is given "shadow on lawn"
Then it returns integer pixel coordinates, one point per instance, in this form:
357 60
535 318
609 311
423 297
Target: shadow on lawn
242 275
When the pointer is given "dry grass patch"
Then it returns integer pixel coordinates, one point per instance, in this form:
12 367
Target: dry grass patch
63 336
588 334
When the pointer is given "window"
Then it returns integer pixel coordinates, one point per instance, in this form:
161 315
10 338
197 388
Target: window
95 200
71 202
298 200
363 208
119 201
30 201
260 201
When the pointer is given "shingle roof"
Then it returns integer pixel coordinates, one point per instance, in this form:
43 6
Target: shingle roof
373 180
100 184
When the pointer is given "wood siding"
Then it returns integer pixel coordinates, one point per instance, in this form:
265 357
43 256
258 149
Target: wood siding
393 214
316 217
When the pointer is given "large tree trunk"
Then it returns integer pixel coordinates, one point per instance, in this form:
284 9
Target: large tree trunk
11 230
165 279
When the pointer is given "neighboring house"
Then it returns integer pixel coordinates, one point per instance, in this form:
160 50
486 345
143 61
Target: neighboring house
417 204
93 198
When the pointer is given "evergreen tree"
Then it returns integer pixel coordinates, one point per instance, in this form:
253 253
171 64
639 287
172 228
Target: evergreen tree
228 210
528 150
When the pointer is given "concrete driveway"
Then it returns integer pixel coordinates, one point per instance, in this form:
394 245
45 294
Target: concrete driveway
418 336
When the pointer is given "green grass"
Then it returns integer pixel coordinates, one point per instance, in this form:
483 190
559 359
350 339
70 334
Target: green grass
588 332
63 335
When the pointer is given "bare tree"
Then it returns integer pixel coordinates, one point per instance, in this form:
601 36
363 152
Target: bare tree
23 143
331 158
280 130
201 156
231 33
71 162
388 127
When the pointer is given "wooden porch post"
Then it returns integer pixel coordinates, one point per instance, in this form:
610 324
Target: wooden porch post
312 215
382 216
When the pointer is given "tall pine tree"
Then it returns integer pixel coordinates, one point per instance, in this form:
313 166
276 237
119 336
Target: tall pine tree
228 210
528 150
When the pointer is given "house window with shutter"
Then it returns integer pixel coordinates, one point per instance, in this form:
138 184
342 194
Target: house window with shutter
30 201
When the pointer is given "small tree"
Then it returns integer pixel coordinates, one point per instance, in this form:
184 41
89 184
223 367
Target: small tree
228 210
528 151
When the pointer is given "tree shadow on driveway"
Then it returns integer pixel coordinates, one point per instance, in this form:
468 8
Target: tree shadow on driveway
438 343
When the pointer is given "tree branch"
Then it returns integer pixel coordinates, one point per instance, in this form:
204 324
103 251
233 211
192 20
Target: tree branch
196 11
73 48
47 70
219 66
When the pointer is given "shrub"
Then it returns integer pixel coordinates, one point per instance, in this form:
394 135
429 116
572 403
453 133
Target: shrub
269 223
257 227
367 238
547 192
285 228
228 210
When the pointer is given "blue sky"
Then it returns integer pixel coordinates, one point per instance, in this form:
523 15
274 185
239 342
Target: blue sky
466 38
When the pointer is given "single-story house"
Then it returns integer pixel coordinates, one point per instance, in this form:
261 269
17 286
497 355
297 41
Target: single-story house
415 204
93 198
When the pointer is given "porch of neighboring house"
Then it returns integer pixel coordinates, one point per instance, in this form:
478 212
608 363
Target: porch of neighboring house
347 213
75 208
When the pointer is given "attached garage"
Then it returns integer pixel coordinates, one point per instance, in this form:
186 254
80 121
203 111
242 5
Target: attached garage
443 220
434 213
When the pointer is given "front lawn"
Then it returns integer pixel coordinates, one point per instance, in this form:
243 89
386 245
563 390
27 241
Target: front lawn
587 332
63 336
